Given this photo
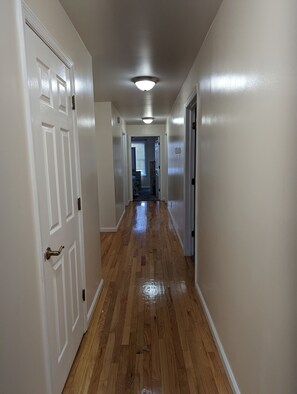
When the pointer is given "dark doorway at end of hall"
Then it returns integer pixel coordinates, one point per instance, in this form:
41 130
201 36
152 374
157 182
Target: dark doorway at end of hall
145 153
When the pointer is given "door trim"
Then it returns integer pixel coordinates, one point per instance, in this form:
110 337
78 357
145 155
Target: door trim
27 17
36 25
190 204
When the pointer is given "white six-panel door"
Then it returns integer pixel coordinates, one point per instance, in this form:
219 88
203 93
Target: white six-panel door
56 179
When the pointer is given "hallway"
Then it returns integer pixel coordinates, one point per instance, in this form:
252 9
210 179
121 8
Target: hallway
148 333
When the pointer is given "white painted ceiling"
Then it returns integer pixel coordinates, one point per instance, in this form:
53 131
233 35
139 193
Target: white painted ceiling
130 38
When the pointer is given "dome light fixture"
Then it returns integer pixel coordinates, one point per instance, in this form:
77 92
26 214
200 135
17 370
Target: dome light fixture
145 83
147 119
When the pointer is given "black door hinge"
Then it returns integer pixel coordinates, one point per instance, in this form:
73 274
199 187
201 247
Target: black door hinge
194 125
73 102
79 204
193 181
83 294
193 233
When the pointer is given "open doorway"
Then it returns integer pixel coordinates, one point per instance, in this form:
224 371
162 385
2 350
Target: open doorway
145 160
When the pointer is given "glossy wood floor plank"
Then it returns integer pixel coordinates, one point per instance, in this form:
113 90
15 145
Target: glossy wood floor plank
148 334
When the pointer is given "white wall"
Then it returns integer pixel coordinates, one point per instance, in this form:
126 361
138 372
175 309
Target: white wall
149 131
118 129
105 167
176 167
247 220
110 164
22 359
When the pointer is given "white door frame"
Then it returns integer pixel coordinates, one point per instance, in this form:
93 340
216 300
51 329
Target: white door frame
190 204
187 182
27 17
197 185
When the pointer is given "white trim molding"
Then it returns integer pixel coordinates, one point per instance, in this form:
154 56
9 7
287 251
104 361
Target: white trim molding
35 24
121 218
94 302
218 342
108 229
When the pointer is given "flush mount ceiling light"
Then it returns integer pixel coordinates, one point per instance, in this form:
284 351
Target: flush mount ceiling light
148 119
145 83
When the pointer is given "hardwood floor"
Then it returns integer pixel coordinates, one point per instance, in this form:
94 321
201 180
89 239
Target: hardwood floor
148 334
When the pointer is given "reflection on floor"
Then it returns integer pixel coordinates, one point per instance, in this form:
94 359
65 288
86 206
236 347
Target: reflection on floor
145 194
148 334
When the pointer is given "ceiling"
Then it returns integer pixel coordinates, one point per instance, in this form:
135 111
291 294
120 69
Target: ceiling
130 38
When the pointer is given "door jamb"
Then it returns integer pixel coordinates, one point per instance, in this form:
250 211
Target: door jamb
197 171
189 204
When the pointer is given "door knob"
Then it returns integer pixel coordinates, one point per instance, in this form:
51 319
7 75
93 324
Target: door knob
49 253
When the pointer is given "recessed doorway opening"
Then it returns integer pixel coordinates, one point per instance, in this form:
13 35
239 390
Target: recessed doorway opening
145 165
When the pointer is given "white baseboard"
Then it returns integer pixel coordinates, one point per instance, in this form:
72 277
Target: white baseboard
92 307
108 229
176 228
121 218
218 342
